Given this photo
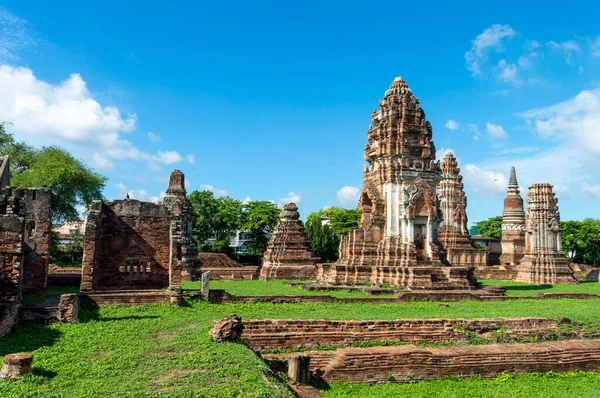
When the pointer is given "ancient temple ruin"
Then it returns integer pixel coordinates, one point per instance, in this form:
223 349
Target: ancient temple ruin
130 244
397 238
288 254
513 224
544 261
25 224
453 232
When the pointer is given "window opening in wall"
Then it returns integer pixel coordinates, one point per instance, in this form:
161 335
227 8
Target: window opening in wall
136 267
33 195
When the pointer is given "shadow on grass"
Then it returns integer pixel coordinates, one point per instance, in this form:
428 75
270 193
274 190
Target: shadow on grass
28 338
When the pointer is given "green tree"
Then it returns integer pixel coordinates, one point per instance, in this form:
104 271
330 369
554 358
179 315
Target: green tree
259 218
581 239
492 227
325 239
216 220
71 182
205 209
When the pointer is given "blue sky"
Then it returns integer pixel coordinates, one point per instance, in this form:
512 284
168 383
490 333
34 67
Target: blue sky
271 100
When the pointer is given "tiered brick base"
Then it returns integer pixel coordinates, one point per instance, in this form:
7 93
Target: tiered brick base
542 269
288 271
408 363
413 277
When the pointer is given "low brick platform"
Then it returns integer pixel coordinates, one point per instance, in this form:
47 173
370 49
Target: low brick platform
408 363
58 276
284 334
129 298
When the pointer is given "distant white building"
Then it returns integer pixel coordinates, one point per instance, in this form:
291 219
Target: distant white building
65 231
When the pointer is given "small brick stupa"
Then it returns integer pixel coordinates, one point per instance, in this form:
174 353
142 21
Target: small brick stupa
288 255
544 261
453 233
513 224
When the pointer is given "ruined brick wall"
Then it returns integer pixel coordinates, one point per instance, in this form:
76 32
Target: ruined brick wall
38 224
282 334
11 257
404 364
9 315
127 246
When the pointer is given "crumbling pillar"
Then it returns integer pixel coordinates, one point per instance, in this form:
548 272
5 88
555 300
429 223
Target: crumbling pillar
299 369
205 288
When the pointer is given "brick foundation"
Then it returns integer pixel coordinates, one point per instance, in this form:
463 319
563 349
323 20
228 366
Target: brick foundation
282 334
408 363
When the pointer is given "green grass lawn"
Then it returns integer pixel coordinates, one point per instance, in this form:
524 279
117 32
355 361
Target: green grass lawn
162 351
273 288
551 385
525 289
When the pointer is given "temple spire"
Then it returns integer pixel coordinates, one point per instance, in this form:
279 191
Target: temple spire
512 182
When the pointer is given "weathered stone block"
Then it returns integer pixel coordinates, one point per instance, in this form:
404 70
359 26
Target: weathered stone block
16 366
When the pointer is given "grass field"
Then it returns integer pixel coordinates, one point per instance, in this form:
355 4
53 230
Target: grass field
163 351
551 385
278 288
273 288
525 289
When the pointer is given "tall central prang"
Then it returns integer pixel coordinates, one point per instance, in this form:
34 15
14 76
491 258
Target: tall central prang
397 238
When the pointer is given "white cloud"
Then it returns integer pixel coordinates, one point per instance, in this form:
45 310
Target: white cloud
216 191
475 130
139 194
191 159
568 47
102 162
348 195
68 115
562 192
492 37
595 47
154 137
452 125
591 191
291 197
247 200
485 182
496 131
512 151
508 72
575 122
440 153
532 44
15 36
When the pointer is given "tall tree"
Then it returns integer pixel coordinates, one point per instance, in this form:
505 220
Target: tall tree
581 240
72 183
491 227
205 209
325 238
259 218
